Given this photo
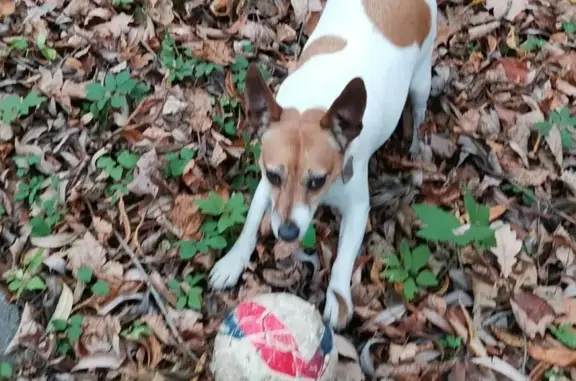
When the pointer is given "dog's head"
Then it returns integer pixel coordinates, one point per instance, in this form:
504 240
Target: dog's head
302 153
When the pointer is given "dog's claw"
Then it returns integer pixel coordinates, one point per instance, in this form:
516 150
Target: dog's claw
339 308
227 271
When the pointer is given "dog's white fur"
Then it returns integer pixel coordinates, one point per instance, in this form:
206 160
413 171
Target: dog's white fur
390 74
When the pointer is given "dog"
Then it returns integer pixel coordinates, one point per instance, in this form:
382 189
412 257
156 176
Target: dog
340 104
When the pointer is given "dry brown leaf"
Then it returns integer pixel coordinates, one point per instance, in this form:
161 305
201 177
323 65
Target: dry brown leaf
118 25
532 313
199 109
103 229
215 51
569 316
86 252
158 326
29 332
186 216
303 7
469 121
560 356
507 247
401 353
7 7
554 140
100 336
160 11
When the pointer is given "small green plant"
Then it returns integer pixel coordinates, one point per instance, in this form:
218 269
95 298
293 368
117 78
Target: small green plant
228 213
115 92
569 28
181 66
230 113
188 293
99 288
566 334
441 226
225 215
52 214
21 280
451 344
177 161
6 370
28 191
47 52
13 107
409 269
120 169
137 331
533 43
19 43
238 69
122 2
249 177
564 121
68 332
25 163
528 196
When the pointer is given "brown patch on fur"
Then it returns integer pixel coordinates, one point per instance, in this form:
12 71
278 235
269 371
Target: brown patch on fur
403 22
299 147
322 45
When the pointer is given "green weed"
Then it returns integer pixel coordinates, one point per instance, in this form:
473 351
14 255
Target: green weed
224 215
188 293
137 330
21 280
13 107
68 332
177 161
409 269
564 121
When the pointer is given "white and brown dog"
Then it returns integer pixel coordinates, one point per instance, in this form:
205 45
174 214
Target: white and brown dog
330 115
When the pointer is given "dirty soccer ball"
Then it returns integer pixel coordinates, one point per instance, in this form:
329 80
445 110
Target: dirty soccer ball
274 337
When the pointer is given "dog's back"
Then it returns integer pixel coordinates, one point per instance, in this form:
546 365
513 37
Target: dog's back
382 41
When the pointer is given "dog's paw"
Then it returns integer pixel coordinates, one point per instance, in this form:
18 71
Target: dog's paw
414 149
227 271
339 309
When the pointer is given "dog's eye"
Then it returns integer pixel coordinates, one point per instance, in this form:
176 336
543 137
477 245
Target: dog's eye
316 183
274 178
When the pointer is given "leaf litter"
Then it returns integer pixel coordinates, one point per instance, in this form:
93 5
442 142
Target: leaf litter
128 168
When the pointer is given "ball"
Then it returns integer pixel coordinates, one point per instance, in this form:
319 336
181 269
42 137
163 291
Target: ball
274 337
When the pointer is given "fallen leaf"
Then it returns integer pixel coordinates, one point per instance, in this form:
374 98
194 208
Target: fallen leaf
532 313
507 247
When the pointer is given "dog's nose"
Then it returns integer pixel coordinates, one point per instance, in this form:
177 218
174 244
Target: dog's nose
288 231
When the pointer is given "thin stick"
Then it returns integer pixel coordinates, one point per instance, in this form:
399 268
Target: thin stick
182 345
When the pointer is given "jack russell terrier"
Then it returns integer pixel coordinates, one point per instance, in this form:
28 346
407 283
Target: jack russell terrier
342 102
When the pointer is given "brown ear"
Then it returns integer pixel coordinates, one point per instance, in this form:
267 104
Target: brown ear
344 117
260 103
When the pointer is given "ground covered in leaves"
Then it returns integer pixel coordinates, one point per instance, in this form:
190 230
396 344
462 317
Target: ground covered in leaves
127 168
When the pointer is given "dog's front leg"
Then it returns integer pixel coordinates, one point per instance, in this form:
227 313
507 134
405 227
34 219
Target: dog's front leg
339 309
228 269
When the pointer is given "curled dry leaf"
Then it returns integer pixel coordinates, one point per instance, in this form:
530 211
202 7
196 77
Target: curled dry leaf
29 332
532 313
560 356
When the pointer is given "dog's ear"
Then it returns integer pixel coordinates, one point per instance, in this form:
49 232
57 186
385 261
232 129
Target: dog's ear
260 103
344 117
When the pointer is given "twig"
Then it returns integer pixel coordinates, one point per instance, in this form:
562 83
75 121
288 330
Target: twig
182 345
